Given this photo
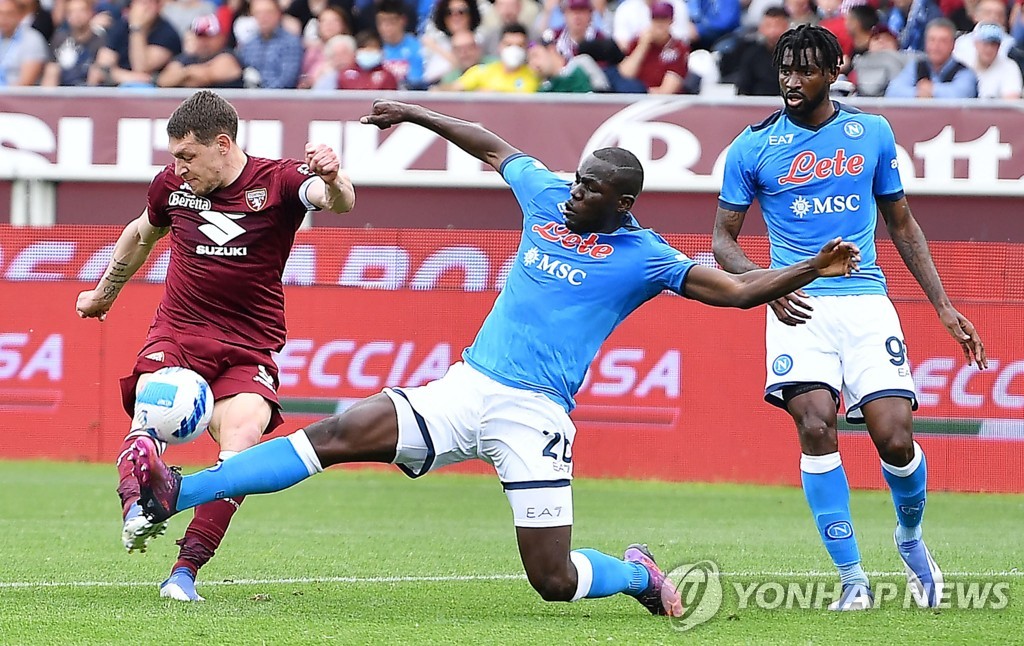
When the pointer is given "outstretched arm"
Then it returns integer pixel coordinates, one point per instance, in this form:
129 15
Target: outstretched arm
909 239
791 309
130 252
716 287
471 137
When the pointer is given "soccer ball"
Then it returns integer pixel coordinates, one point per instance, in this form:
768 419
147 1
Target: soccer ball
175 405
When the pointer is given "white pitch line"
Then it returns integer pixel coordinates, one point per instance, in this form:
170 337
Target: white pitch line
443 579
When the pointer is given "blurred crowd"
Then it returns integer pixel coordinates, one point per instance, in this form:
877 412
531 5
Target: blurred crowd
895 48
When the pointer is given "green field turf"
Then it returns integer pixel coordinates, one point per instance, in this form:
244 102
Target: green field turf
280 578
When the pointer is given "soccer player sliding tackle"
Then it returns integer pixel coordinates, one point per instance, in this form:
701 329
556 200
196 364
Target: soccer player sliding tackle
508 400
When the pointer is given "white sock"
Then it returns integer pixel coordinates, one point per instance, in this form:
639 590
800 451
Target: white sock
304 449
584 575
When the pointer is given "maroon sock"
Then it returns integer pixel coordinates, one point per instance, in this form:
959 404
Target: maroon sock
205 532
127 485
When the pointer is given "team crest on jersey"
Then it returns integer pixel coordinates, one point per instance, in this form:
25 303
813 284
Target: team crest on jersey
853 129
256 198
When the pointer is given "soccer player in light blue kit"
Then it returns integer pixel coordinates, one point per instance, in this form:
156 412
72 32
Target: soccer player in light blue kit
582 266
820 169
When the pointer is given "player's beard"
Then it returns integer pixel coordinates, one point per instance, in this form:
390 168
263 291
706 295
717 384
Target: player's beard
808 105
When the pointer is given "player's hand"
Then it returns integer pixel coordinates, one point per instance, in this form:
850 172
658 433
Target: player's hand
92 305
322 161
965 334
791 309
837 258
387 113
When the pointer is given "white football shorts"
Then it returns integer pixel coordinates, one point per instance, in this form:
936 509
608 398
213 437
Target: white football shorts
466 415
854 344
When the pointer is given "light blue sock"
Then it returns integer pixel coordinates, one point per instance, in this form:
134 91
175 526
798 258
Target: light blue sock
270 466
908 485
600 575
828 494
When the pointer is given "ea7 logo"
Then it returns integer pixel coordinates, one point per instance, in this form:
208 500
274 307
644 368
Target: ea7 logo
221 227
776 140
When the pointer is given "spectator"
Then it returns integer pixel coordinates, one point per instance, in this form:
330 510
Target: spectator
998 76
556 75
182 13
37 17
509 74
339 54
450 17
831 17
861 21
755 73
306 16
401 49
136 48
801 12
329 23
23 50
986 11
633 17
74 46
554 13
579 28
712 19
206 61
369 72
504 14
876 68
656 59
938 74
273 59
909 18
467 52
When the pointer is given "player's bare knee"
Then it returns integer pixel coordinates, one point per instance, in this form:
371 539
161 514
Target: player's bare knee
554 586
897 448
817 435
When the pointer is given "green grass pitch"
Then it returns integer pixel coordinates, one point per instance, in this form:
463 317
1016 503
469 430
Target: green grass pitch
361 557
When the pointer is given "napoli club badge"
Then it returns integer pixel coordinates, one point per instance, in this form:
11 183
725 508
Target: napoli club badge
256 198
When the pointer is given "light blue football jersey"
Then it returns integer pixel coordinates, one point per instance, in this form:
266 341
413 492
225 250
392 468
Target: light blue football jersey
565 292
814 184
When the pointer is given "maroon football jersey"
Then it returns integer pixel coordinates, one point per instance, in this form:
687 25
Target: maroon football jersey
228 251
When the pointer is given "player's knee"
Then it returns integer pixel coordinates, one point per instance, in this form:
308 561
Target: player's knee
817 433
554 586
896 448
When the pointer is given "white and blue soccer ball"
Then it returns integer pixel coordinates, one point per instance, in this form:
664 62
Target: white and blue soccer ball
174 405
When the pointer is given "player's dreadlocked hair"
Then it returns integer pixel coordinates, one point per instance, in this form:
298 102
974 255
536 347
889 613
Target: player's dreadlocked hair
825 52
629 174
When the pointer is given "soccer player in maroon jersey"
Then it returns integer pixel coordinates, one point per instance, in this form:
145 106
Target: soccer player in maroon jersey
232 220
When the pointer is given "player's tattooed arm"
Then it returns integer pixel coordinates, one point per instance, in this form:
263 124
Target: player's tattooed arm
909 240
725 245
791 309
130 252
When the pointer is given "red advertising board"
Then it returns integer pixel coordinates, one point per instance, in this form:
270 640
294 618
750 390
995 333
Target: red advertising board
678 140
674 394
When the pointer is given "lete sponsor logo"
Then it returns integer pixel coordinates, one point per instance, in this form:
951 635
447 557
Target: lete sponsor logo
587 246
807 166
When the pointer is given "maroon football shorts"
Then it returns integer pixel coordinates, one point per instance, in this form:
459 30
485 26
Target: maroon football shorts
229 369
